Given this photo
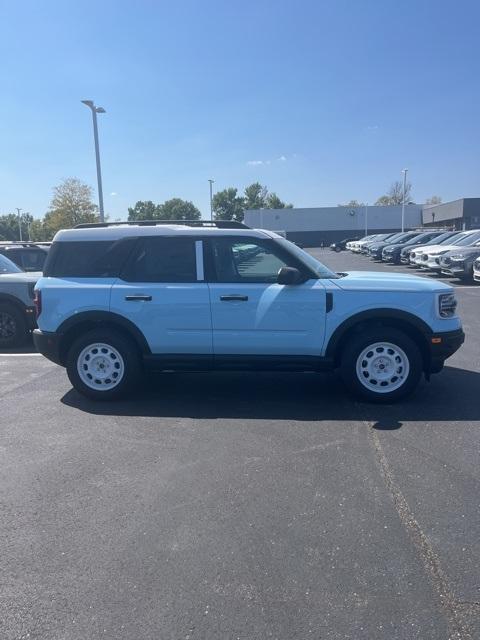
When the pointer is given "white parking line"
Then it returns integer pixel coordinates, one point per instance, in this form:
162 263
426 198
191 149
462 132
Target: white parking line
19 355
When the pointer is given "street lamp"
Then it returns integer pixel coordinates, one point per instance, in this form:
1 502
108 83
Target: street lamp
211 197
366 218
19 223
404 171
91 105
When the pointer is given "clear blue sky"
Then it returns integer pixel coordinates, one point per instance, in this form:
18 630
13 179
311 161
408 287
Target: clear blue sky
322 101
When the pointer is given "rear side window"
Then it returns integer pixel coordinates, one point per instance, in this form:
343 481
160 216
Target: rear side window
91 259
162 260
33 260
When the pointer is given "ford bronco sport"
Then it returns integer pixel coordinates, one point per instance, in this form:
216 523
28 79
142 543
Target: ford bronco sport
117 299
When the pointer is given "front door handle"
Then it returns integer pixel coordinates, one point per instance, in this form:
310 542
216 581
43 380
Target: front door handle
234 298
139 297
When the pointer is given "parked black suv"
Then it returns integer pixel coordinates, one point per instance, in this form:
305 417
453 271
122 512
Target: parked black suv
29 256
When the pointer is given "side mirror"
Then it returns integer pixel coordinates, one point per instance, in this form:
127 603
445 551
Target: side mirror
289 275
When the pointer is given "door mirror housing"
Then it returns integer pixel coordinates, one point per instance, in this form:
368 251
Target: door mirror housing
289 275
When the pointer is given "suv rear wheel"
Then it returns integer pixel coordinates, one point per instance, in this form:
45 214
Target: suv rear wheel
13 329
103 365
381 365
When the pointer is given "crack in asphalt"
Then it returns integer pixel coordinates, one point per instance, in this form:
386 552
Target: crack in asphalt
459 629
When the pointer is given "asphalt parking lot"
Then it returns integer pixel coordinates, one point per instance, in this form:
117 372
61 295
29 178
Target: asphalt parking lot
241 506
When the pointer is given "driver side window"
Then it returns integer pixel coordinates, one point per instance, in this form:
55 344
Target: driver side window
245 260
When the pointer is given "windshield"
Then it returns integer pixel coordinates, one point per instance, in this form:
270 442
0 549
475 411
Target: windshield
394 237
416 239
442 238
320 269
7 266
467 240
398 237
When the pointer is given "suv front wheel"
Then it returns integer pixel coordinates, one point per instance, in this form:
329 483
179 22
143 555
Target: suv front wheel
103 365
381 365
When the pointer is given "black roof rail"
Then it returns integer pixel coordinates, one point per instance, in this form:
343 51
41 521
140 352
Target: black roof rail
219 224
21 243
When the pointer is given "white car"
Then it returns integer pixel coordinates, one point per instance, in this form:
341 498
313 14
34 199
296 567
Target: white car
416 256
476 270
430 259
357 245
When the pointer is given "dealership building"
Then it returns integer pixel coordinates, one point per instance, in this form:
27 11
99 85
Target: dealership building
324 225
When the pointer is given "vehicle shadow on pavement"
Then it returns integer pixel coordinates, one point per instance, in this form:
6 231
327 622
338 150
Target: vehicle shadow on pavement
451 396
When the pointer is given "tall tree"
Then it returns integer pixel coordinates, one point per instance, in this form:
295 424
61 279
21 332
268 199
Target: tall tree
144 210
352 203
174 209
274 202
178 209
71 204
9 226
227 205
395 194
433 200
38 232
255 196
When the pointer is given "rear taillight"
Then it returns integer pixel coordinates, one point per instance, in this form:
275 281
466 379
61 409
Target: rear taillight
37 301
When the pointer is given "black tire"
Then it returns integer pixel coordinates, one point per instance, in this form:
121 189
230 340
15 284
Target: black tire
13 327
467 278
351 356
132 370
338 249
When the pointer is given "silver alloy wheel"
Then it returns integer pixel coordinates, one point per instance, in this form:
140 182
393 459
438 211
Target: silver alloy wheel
100 366
382 367
8 326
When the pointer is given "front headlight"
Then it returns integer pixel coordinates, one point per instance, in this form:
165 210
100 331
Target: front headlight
457 256
447 305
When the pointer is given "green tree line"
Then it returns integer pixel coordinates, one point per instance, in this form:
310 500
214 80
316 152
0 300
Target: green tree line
72 204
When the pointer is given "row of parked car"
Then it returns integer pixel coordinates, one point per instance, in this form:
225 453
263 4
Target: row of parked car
21 265
452 253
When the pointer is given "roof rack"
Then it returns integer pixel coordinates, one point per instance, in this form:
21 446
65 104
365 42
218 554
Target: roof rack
219 224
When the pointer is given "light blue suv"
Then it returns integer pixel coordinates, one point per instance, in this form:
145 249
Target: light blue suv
120 299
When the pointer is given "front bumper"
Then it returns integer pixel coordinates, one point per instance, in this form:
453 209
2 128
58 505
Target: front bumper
453 269
442 346
48 344
394 257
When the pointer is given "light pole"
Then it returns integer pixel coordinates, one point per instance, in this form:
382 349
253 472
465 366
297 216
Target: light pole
404 171
91 105
19 223
211 197
366 218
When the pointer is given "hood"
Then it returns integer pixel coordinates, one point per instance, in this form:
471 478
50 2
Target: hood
442 247
418 247
396 246
29 278
381 281
377 245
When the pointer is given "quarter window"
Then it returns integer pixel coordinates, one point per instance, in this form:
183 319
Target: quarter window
92 259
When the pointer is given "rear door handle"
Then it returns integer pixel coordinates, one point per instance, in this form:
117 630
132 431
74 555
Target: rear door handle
139 297
234 298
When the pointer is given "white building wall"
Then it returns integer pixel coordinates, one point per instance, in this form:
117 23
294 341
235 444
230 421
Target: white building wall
330 219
